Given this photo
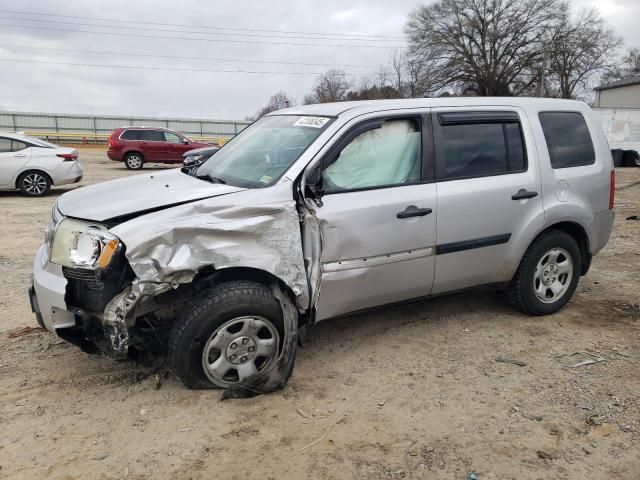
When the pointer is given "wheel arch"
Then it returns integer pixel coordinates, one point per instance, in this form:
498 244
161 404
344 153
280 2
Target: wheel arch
124 155
209 276
579 234
31 170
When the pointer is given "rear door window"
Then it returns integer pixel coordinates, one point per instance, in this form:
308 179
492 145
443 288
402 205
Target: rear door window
10 145
568 139
153 135
478 144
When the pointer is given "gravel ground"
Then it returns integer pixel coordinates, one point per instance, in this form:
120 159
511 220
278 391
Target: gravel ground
402 392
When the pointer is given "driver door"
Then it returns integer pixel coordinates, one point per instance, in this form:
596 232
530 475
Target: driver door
377 215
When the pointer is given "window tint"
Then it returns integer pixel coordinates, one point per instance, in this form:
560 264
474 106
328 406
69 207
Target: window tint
131 135
153 135
480 149
389 155
5 145
517 157
10 145
568 139
172 137
473 150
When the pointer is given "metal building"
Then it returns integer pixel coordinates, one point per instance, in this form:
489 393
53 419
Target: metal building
620 94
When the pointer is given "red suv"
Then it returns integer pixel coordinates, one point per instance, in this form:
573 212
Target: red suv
136 145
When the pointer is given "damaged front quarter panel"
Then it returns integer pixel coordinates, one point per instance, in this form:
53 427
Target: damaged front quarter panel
257 229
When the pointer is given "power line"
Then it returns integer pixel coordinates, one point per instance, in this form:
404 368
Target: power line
176 69
156 29
211 27
176 57
210 40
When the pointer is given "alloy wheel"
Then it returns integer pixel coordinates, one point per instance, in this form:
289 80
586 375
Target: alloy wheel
34 184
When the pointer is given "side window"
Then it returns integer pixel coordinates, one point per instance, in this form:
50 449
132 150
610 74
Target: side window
479 148
568 139
153 135
131 135
172 137
5 145
9 145
386 156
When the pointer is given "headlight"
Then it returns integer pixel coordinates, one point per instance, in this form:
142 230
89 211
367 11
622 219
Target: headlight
56 218
82 245
192 159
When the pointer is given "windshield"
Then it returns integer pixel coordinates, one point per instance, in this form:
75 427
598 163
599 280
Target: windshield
262 152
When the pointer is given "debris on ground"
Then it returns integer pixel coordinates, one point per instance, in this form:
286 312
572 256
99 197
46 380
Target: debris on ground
19 332
513 361
587 358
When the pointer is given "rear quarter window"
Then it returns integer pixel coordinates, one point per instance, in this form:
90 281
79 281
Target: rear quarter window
568 139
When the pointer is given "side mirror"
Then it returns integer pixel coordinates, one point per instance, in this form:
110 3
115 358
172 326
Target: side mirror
185 141
314 189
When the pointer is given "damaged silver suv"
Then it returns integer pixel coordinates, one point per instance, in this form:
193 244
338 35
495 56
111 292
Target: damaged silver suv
317 211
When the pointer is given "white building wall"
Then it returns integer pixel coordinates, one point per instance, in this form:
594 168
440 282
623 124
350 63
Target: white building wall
621 126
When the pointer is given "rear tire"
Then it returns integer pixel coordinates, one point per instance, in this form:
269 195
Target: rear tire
548 274
134 161
34 183
235 330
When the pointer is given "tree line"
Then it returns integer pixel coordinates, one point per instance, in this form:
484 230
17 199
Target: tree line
488 48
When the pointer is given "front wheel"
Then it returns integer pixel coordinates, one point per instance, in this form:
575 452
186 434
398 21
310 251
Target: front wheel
228 337
548 274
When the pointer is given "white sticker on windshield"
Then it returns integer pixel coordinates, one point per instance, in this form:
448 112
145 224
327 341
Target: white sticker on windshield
315 122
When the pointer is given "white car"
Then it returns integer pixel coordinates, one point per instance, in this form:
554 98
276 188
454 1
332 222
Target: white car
33 165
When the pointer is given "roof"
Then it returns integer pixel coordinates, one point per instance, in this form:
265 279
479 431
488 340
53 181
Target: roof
366 106
625 82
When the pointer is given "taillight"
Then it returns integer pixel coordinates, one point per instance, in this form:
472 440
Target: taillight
68 157
111 143
612 189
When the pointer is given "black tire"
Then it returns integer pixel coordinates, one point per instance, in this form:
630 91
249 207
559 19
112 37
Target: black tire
522 288
34 183
134 160
219 305
631 158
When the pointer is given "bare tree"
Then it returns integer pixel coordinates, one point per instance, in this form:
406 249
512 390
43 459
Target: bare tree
628 66
276 102
331 86
480 47
582 48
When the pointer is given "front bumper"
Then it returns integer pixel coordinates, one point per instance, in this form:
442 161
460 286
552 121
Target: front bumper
47 293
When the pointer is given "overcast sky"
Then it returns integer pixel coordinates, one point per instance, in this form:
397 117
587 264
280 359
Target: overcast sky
355 36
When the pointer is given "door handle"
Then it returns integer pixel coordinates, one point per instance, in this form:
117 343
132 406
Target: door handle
20 155
413 211
523 194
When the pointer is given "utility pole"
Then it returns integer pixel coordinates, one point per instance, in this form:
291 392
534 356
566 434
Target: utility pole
545 61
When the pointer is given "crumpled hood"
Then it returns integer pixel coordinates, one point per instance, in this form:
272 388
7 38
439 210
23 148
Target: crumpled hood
137 194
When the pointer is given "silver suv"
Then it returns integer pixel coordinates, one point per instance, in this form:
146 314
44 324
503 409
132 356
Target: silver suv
317 211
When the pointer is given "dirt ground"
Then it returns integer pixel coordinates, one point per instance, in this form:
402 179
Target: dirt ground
404 392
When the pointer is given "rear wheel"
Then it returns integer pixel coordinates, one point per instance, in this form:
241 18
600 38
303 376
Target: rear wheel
34 183
548 274
231 334
134 161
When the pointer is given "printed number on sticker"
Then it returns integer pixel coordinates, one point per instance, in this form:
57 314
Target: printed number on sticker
315 122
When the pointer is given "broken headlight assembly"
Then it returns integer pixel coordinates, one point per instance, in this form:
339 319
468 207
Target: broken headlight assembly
83 245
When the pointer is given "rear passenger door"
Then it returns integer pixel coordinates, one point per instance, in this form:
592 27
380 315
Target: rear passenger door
489 195
154 146
14 155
